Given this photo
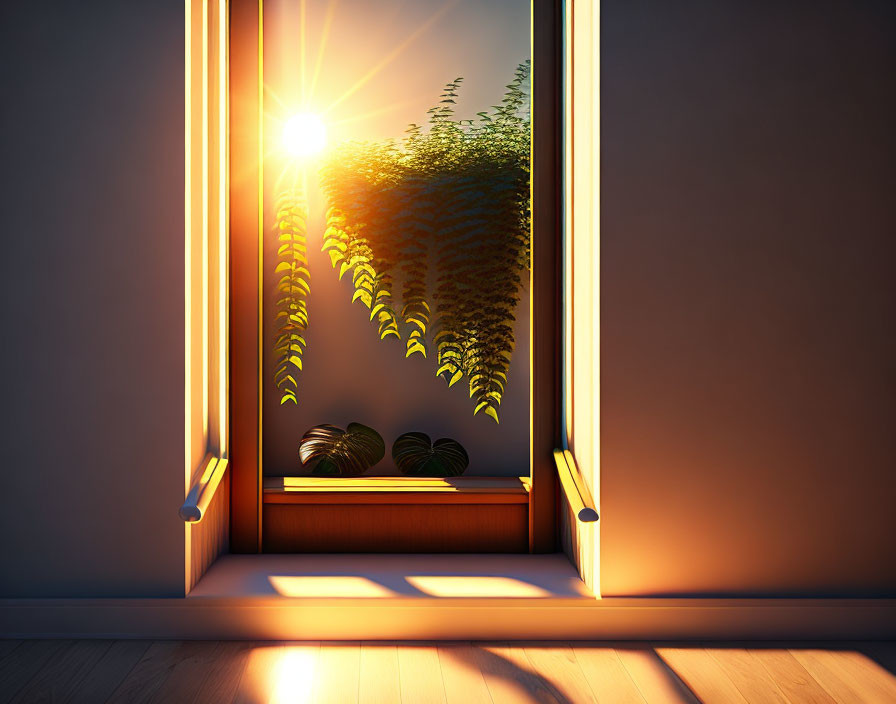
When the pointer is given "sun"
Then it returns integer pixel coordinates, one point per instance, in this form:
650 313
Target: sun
304 134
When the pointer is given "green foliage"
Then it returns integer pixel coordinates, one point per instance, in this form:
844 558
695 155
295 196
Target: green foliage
293 287
416 455
454 198
351 224
342 453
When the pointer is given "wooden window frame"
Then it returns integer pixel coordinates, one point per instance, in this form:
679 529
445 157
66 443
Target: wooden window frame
246 275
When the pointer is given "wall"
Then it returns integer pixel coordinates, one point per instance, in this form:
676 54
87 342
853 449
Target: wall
92 307
748 350
747 341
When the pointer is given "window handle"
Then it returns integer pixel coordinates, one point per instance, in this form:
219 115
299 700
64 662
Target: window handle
203 489
574 487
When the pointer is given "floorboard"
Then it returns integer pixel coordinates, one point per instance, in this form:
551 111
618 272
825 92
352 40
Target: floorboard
557 663
883 653
223 677
63 672
7 646
511 678
337 676
109 672
702 674
607 676
463 680
150 674
848 676
236 672
419 674
656 681
264 678
791 677
378 676
24 662
195 661
754 683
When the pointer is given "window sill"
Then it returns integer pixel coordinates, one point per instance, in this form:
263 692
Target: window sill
396 514
392 490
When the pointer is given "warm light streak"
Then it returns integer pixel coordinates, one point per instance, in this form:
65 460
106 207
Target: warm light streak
210 463
373 113
582 266
272 94
205 220
259 371
336 586
188 274
324 38
287 178
303 43
392 55
469 586
594 163
304 135
294 676
567 239
206 216
188 217
223 220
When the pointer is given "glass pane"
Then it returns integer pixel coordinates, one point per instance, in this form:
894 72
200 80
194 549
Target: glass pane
397 236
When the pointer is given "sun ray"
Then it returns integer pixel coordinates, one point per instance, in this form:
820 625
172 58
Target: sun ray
324 38
391 56
373 113
276 119
287 179
303 50
272 94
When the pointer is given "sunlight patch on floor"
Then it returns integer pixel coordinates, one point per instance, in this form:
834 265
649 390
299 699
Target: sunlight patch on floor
328 586
294 676
469 586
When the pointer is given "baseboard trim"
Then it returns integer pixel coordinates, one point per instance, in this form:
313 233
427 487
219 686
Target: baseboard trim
450 619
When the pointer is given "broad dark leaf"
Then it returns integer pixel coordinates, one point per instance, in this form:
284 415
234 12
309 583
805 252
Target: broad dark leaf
336 452
417 456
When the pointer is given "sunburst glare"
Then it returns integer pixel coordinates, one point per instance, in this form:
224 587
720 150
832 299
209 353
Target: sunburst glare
304 134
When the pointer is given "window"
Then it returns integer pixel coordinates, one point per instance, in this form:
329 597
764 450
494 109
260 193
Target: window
388 275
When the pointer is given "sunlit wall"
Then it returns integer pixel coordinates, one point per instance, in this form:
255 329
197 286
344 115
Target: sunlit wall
748 379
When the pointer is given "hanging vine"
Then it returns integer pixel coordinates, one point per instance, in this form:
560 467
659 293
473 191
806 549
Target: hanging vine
354 218
293 288
446 212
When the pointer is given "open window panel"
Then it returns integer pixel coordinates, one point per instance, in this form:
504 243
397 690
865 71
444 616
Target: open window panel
395 288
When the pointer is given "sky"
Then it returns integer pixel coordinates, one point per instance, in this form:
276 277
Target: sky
373 67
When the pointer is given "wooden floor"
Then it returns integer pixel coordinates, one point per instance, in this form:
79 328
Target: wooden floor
93 671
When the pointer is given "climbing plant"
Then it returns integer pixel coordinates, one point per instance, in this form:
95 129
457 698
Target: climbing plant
444 212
